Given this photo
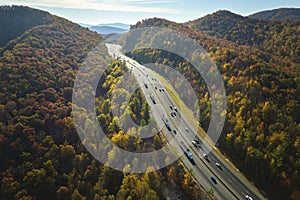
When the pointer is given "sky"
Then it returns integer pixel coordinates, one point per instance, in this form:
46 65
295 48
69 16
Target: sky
131 11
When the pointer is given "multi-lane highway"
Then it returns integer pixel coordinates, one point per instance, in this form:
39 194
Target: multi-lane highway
210 171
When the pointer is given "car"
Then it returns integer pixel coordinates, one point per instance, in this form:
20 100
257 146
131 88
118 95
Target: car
145 84
213 180
194 143
171 107
171 113
186 129
175 109
197 140
247 197
159 89
174 131
162 89
155 87
219 166
206 157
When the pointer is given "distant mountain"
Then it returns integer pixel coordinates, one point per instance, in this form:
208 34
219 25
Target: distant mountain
227 25
85 25
107 29
117 25
278 14
276 37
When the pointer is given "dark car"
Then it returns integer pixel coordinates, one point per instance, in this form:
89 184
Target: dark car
174 131
213 180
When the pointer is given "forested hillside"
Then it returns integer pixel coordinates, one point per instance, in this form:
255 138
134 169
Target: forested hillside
42 156
278 38
262 131
278 14
15 20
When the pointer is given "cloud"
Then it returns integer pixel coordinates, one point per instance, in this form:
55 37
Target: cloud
141 6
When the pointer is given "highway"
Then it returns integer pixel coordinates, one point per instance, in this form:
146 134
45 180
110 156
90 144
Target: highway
227 182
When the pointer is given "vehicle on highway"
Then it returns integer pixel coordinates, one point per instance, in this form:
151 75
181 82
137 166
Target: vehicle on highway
247 197
174 131
145 84
173 114
153 99
175 109
167 123
171 107
186 129
195 143
213 180
190 155
187 152
219 166
162 89
197 140
206 157
155 87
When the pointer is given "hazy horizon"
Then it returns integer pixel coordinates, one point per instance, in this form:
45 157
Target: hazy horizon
131 11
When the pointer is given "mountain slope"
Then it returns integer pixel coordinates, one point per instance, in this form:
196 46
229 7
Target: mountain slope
15 20
42 156
278 14
278 38
261 134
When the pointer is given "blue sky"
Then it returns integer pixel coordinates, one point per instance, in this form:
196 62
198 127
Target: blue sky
130 11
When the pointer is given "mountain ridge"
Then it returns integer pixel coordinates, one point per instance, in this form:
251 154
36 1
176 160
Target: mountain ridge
278 14
107 29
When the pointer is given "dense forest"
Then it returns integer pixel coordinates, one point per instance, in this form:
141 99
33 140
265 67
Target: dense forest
42 156
278 14
262 131
277 38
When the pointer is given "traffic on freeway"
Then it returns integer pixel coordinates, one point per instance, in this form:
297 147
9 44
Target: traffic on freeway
210 169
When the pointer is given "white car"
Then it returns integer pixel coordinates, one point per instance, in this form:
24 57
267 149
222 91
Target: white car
194 143
248 197
219 166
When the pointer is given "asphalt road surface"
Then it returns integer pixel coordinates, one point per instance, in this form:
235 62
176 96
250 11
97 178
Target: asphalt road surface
224 178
